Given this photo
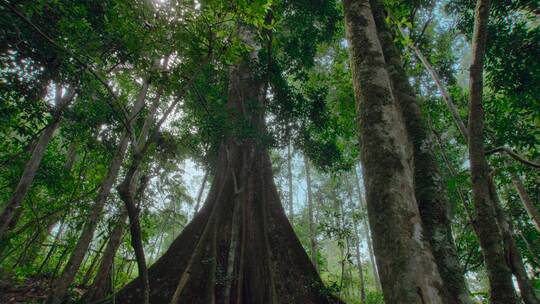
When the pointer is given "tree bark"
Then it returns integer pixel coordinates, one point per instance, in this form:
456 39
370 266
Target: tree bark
408 270
32 165
527 202
430 191
311 217
201 191
240 247
515 261
98 289
488 229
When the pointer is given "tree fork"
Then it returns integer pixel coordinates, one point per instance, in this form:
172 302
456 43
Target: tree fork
489 230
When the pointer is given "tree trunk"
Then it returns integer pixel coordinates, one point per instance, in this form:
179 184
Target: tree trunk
311 217
357 245
527 202
201 190
98 290
90 270
488 229
290 184
430 191
53 246
61 285
126 191
442 88
33 163
515 260
407 268
362 207
51 219
240 247
133 211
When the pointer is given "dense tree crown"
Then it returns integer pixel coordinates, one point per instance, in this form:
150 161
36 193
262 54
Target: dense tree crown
270 151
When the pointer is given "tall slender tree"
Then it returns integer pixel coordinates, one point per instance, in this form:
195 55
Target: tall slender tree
408 270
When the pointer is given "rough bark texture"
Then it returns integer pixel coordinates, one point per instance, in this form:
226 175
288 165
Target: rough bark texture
311 217
98 290
430 191
32 165
407 268
240 247
488 229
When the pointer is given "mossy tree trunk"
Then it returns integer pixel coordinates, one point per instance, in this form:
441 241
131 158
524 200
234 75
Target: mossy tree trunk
240 247
407 268
430 191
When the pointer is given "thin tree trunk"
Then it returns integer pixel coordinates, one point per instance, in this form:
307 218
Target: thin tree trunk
136 239
362 207
489 231
532 252
52 219
311 217
126 191
32 165
98 288
290 184
408 270
517 267
53 246
357 241
61 285
442 88
515 259
90 270
430 191
201 191
527 202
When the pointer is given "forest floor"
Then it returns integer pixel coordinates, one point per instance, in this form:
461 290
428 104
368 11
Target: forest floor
33 290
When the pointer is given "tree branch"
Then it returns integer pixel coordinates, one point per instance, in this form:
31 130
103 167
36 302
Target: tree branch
514 155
